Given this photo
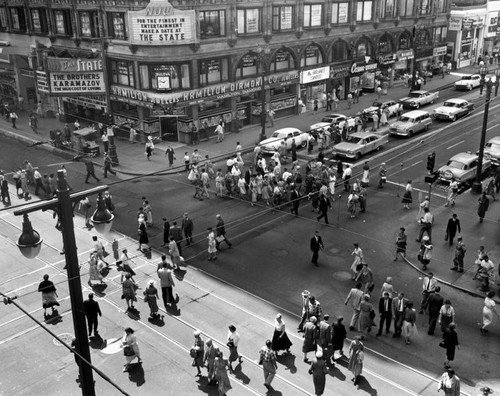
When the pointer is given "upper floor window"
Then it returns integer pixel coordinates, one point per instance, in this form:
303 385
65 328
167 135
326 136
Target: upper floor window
89 24
406 8
363 48
161 77
384 44
425 7
440 5
340 13
312 56
388 9
63 22
364 11
340 51
249 65
440 34
213 71
282 60
404 41
39 20
3 18
282 18
18 18
312 15
122 73
116 24
249 21
212 23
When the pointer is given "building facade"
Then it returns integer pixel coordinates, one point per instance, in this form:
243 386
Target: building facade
165 66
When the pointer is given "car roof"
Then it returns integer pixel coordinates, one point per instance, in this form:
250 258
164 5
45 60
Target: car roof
494 139
335 115
471 75
419 92
287 130
464 157
415 113
456 100
363 135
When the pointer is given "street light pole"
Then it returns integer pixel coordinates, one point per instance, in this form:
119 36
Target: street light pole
261 52
476 185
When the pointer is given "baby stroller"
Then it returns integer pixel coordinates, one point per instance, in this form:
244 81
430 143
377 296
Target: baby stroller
57 140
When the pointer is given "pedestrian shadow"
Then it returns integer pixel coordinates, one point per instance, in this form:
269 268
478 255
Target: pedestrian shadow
180 273
288 360
157 320
174 309
273 392
53 318
99 289
203 386
97 342
240 375
336 373
136 374
364 385
133 314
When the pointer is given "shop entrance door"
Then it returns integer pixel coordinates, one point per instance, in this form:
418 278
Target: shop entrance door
169 128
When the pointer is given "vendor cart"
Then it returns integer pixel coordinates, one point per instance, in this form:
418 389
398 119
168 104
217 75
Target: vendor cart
85 141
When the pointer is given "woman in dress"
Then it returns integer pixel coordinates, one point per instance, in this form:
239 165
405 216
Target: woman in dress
446 315
358 260
407 197
173 250
387 287
130 348
143 234
151 297
280 341
49 295
128 291
356 357
212 246
401 243
170 154
365 314
199 352
148 211
124 265
488 311
319 370
332 179
480 256
450 343
365 179
221 376
219 184
94 269
409 329
253 190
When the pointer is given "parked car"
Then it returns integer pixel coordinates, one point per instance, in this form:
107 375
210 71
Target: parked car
334 119
284 134
391 105
492 150
468 82
462 167
411 123
415 99
453 109
360 143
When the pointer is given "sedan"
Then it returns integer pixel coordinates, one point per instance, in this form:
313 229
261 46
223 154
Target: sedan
453 109
335 119
468 82
415 99
392 106
286 135
462 167
492 150
360 143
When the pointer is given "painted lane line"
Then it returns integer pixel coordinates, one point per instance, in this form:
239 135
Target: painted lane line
491 127
456 144
415 163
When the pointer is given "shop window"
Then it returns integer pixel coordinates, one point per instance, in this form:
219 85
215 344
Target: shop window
340 51
282 60
364 11
89 24
212 24
18 18
63 22
440 34
406 8
249 65
116 25
283 18
3 19
404 42
340 13
165 77
440 5
312 15
363 48
249 21
384 44
39 20
213 71
312 56
388 9
122 73
425 7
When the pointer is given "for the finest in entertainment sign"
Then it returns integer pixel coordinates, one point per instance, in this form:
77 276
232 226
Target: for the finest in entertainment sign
161 24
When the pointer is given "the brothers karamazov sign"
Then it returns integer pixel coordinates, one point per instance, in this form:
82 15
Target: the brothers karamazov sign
75 76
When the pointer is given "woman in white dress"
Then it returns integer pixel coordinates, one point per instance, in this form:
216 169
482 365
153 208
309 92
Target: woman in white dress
358 260
488 311
95 267
331 184
407 197
212 246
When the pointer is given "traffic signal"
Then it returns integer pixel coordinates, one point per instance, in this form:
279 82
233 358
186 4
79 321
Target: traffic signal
431 160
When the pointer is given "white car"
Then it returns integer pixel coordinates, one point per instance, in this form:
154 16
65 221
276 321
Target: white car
415 99
360 143
335 119
272 143
492 150
453 109
392 106
462 167
468 82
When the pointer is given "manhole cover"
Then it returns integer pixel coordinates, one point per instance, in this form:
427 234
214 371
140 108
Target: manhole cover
333 250
66 337
342 275
113 345
121 204
280 252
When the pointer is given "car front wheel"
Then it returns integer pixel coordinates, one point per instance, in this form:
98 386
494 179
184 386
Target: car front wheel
454 118
303 144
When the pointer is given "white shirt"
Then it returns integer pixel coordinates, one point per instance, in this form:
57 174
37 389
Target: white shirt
347 173
235 337
286 175
429 284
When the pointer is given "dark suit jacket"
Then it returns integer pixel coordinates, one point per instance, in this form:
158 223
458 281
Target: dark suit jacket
395 305
381 306
294 196
316 244
453 226
324 204
91 308
435 302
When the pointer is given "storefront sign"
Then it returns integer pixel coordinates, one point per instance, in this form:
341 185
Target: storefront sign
455 23
475 22
77 83
341 71
360 68
313 75
95 102
405 54
386 59
439 51
41 81
283 79
161 24
73 64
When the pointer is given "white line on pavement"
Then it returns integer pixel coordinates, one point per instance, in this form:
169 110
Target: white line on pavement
454 145
493 126
416 163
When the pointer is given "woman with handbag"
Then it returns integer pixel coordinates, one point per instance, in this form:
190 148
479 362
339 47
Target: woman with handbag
221 376
49 295
365 315
130 349
128 291
151 297
95 267
197 352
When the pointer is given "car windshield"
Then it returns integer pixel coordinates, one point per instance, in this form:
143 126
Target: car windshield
405 119
456 164
327 119
414 95
451 104
276 135
356 140
493 146
377 104
467 78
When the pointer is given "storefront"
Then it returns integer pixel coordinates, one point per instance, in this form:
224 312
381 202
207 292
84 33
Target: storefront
313 86
339 75
386 67
404 64
466 32
89 109
438 58
283 92
362 75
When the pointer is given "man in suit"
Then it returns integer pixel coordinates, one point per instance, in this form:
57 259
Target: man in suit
325 338
398 309
385 311
428 287
434 304
188 227
452 227
355 296
316 245
294 197
166 283
91 309
324 205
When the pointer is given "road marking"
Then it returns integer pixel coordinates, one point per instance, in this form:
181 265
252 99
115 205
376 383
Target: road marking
416 163
494 126
454 145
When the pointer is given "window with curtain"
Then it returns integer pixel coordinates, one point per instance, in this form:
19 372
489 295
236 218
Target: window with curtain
63 22
283 18
312 15
212 23
406 8
3 18
18 18
39 20
116 25
312 56
340 51
282 60
89 24
404 41
122 73
249 21
164 77
213 71
340 13
364 11
440 33
388 9
249 65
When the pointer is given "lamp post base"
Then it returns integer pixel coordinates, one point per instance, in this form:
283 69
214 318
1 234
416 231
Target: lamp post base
476 188
262 135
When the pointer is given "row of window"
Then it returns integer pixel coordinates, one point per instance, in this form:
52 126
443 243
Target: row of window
213 23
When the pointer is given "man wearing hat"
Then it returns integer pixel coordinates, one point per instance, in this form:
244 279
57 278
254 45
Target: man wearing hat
198 352
325 338
294 197
187 227
458 261
92 309
311 333
211 352
268 361
338 337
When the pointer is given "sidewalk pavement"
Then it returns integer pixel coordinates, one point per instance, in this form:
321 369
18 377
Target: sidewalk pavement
133 162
